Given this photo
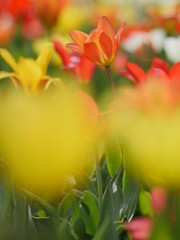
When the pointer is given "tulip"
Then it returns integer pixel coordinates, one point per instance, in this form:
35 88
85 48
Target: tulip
75 63
51 139
139 228
159 70
52 7
147 120
7 28
28 73
159 198
17 8
101 45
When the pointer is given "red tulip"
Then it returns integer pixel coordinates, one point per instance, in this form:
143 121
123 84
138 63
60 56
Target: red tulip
139 228
15 7
159 199
75 63
101 45
159 70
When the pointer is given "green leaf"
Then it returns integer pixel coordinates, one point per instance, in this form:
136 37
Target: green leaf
79 229
113 156
85 182
106 231
130 195
111 204
6 200
65 208
90 212
46 228
15 215
145 203
65 230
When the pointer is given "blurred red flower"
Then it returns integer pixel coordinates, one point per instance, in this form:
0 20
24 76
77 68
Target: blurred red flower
50 9
75 63
139 228
16 7
159 70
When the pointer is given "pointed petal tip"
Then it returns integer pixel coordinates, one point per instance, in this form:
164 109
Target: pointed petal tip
118 34
44 57
104 17
123 24
74 47
8 58
78 37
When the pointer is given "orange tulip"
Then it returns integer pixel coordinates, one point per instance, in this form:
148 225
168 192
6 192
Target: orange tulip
101 45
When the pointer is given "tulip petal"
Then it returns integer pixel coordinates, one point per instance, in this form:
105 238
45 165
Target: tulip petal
159 63
74 48
104 25
78 37
64 55
9 59
174 73
92 52
86 69
6 74
94 37
44 57
136 72
106 45
157 74
118 34
29 73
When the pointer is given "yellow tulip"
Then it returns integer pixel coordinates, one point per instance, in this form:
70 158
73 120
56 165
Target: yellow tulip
46 138
147 121
28 73
80 14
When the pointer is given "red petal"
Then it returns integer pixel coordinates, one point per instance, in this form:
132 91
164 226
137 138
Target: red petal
92 52
158 199
86 69
78 37
157 74
62 52
118 34
74 48
174 73
159 63
106 45
137 73
104 25
128 75
139 228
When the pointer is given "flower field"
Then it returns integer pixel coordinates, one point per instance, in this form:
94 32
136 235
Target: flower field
89 120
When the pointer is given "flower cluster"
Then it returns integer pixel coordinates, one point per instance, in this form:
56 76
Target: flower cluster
84 155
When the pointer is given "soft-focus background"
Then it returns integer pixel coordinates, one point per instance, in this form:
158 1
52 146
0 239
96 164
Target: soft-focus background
77 162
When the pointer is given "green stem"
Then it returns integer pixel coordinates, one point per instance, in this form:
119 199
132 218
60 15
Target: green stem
99 180
110 79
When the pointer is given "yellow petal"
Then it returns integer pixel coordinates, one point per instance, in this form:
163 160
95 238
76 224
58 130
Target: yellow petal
8 58
29 73
6 74
55 81
44 57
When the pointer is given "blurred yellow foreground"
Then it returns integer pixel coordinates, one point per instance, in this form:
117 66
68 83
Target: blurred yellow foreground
46 138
